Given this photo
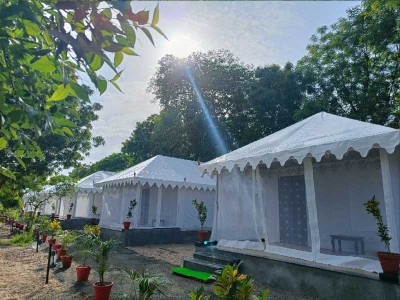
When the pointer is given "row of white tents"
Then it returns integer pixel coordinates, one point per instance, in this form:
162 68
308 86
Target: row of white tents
290 193
163 187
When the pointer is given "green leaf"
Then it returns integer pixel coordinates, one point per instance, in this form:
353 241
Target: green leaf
107 12
159 31
31 28
64 122
116 86
118 57
60 94
118 75
156 16
3 143
97 62
129 51
80 91
21 162
148 34
130 33
44 64
68 131
8 173
15 116
102 85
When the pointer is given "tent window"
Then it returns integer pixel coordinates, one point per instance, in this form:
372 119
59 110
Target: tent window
144 214
292 210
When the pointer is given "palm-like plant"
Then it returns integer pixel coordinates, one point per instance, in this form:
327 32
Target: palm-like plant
102 252
145 285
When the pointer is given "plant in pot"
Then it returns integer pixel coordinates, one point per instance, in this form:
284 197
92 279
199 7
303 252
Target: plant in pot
85 243
132 205
68 238
43 225
54 228
102 250
94 213
53 208
389 261
71 206
202 215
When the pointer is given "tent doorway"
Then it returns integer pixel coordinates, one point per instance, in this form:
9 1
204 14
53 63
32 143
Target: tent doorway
145 206
292 210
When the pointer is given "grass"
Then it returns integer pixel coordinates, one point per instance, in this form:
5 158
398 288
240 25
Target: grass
21 240
192 274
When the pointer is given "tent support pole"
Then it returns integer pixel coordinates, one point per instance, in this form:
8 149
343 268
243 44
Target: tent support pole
136 212
311 206
388 199
158 217
123 196
75 202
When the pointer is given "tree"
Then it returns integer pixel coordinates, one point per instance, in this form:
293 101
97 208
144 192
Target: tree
353 67
45 47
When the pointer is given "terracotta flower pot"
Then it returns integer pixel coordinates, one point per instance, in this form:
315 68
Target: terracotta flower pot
44 237
56 247
389 262
61 253
102 292
53 215
203 235
82 273
21 226
51 241
69 216
66 260
127 224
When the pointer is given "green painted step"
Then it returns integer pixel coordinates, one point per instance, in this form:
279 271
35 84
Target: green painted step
203 277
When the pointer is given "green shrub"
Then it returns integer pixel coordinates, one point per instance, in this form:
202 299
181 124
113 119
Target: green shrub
23 239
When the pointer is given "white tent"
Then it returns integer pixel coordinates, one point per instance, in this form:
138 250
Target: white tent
86 196
164 188
47 208
295 191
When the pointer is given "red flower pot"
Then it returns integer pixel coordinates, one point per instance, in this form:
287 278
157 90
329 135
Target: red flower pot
53 215
203 235
66 260
21 226
44 237
51 241
127 224
82 273
389 262
56 247
102 292
17 225
61 253
69 216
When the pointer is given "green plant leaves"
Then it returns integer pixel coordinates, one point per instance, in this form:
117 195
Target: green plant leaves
44 64
60 93
3 143
101 84
118 57
31 28
80 91
156 16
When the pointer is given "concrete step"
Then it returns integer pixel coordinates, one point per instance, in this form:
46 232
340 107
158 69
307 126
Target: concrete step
216 258
201 265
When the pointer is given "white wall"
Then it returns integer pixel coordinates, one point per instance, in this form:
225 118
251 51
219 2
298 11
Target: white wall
186 212
394 163
169 199
111 208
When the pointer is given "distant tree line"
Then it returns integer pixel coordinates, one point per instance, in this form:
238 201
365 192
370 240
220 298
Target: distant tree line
352 69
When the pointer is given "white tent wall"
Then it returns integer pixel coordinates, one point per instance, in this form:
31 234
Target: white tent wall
83 205
111 208
169 199
394 164
187 214
341 189
98 201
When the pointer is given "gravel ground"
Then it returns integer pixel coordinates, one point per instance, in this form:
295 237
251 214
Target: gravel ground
22 273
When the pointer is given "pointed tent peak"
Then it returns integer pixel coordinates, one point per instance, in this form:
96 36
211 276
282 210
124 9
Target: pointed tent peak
87 183
162 170
313 136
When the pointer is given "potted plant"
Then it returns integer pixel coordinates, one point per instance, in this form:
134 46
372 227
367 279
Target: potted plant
53 208
94 212
202 215
68 238
389 261
85 244
43 225
69 215
54 227
132 205
102 289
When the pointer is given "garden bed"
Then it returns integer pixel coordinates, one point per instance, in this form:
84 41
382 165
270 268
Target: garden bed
23 273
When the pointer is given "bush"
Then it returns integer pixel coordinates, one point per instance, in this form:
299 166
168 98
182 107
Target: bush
21 240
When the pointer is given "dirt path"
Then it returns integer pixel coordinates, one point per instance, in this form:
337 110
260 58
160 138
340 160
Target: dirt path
22 273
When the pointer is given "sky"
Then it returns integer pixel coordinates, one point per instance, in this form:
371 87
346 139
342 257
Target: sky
258 33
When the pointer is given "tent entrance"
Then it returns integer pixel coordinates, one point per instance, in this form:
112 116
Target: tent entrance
145 206
292 210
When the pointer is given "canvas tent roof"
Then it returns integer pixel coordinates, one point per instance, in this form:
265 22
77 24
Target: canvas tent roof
317 135
86 184
163 170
